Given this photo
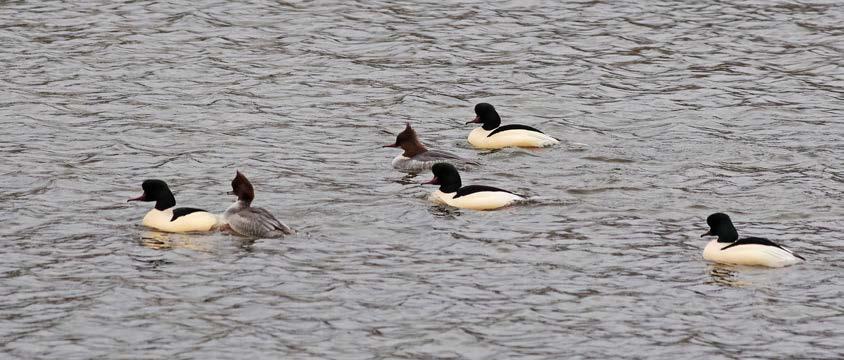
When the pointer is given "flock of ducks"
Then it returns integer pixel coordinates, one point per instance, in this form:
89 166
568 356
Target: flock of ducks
241 218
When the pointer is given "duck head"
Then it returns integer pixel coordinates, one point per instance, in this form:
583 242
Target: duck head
409 142
486 115
721 226
446 176
158 191
242 188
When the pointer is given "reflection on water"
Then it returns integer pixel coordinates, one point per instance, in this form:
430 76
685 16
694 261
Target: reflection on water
197 242
444 211
410 179
723 274
666 112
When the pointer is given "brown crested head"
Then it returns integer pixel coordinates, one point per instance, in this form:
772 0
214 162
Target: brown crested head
243 188
409 142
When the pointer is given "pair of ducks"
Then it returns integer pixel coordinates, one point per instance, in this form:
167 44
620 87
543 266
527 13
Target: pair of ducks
241 218
727 248
490 135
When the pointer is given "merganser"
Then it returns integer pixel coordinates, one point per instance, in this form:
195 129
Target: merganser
476 197
165 217
246 220
417 157
493 136
729 249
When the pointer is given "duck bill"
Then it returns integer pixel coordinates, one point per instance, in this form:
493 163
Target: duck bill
708 233
434 181
476 120
143 197
391 145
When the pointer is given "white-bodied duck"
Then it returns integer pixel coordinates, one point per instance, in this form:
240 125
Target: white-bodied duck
167 217
491 135
476 197
729 249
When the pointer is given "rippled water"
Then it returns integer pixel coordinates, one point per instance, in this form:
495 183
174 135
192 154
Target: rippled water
668 111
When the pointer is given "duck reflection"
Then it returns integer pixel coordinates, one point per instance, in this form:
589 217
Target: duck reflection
169 241
407 179
725 275
444 211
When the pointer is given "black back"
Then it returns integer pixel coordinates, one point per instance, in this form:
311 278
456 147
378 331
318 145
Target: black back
759 241
471 189
179 212
513 127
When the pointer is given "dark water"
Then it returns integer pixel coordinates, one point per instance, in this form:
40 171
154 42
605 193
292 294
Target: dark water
668 111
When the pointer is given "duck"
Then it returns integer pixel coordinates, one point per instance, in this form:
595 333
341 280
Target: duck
475 197
728 248
165 216
244 219
416 157
491 135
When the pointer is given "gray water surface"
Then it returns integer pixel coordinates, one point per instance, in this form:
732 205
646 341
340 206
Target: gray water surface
667 112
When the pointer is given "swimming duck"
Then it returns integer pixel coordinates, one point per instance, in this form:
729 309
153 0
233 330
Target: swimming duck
166 217
729 249
476 197
246 220
416 157
493 136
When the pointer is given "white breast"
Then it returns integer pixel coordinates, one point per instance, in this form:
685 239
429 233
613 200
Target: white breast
519 137
483 200
749 254
197 221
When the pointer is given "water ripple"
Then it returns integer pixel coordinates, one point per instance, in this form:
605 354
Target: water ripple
668 111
